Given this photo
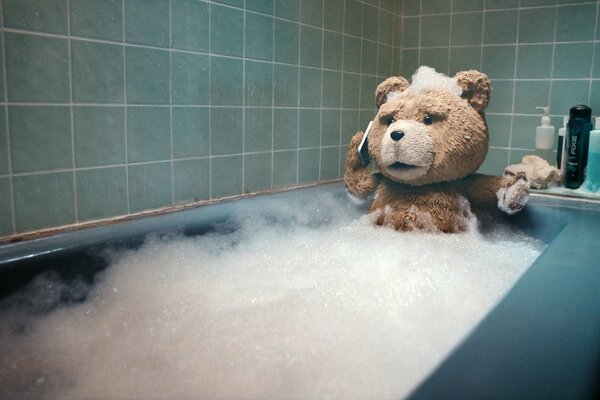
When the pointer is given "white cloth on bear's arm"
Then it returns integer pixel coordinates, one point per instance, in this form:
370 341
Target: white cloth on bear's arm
537 170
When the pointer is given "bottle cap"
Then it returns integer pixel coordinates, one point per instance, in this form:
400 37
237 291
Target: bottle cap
581 111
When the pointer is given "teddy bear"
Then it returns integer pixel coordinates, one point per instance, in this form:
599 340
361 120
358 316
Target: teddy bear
426 142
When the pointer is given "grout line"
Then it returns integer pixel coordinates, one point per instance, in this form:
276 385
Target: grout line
71 112
125 111
593 55
171 102
514 89
210 59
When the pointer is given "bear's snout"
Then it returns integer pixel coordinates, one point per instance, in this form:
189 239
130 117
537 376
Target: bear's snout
396 135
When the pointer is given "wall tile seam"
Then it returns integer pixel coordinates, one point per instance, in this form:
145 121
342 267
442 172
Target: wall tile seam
71 114
589 100
171 154
125 109
514 91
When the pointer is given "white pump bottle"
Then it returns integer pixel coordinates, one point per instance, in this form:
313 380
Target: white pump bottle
544 137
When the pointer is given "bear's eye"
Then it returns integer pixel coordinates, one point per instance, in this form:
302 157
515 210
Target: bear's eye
389 121
428 119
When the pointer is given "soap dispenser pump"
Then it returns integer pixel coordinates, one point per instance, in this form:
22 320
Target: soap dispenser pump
544 137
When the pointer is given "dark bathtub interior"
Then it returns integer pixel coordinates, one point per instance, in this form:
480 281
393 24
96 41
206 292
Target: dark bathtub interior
541 341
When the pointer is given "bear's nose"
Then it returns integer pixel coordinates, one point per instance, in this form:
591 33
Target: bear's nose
397 135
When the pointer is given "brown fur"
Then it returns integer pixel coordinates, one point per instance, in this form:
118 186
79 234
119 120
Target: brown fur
447 153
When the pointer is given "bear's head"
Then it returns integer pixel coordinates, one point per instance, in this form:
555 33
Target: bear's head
430 131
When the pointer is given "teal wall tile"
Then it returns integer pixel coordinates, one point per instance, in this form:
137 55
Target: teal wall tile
330 127
288 9
594 100
234 3
411 7
257 172
534 61
148 73
147 22
191 134
99 135
410 62
464 58
97 19
40 138
259 36
386 28
353 17
330 163
466 29
259 83
190 83
596 66
311 12
148 134
311 46
227 30
351 54
370 23
308 165
332 50
97 72
309 128
350 90
499 129
384 61
531 3
226 130
350 125
285 167
531 94
6 227
500 27
37 68
4 164
51 193
437 58
369 58
190 25
435 6
36 15
287 39
500 4
495 162
101 193
568 93
467 5
575 22
258 129
285 85
263 6
226 176
502 97
410 31
537 25
191 180
226 86
310 87
573 60
332 89
516 155
149 186
499 61
435 30
523 131
367 94
333 19
285 129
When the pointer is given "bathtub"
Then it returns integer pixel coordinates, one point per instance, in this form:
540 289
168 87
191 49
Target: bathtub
542 340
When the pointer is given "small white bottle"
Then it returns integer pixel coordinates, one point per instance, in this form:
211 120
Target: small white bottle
593 164
544 137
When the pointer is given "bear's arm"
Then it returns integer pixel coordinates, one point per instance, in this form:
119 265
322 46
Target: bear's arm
359 179
508 193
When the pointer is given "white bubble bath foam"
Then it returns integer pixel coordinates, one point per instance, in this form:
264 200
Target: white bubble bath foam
300 299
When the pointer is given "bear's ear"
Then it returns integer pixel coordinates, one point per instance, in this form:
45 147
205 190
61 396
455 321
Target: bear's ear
476 88
388 88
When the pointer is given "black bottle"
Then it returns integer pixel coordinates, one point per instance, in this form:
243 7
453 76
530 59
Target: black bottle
578 138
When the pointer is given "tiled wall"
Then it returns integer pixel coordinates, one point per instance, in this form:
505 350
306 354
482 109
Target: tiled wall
536 52
110 107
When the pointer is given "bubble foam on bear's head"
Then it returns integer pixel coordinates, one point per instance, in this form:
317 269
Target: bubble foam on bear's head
426 78
304 300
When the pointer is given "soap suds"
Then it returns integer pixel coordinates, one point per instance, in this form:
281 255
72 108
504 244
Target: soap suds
307 301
